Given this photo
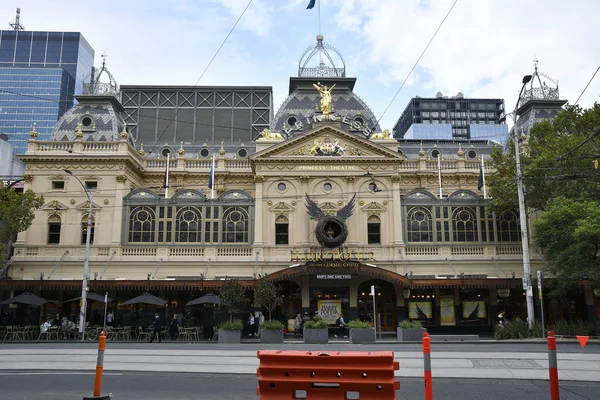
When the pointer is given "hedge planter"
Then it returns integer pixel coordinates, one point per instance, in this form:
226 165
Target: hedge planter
230 336
410 335
362 335
316 336
271 336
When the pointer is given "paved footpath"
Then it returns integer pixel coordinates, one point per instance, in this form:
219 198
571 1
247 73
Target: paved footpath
476 362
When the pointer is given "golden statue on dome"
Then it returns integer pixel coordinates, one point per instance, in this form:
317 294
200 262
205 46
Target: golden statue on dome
325 92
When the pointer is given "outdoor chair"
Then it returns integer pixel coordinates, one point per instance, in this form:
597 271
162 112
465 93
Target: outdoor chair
215 333
184 334
143 335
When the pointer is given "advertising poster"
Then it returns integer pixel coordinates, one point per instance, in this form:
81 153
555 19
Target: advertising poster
447 311
291 325
420 310
474 309
329 310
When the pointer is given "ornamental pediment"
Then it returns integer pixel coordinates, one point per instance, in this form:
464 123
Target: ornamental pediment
54 205
327 143
281 207
85 206
373 207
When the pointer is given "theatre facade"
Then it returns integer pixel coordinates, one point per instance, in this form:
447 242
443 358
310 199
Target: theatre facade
325 203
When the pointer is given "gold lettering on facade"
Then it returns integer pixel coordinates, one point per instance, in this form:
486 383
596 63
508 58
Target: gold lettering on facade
331 256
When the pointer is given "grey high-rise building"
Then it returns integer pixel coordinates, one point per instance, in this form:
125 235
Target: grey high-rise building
454 118
39 74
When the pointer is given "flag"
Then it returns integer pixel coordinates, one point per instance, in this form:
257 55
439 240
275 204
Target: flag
480 182
311 4
211 177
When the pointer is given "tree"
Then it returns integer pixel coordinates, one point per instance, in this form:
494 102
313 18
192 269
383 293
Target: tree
232 295
557 160
569 234
266 294
561 179
16 215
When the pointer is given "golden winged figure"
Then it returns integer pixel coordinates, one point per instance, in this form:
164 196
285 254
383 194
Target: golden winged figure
325 93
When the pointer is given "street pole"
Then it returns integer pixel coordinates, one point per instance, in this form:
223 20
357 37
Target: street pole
523 216
84 282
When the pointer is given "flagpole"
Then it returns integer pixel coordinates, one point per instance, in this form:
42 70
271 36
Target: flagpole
440 174
212 177
483 177
167 178
319 1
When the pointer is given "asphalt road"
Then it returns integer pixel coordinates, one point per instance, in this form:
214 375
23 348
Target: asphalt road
170 385
527 346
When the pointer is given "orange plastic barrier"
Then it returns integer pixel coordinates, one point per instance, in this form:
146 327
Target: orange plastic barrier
322 375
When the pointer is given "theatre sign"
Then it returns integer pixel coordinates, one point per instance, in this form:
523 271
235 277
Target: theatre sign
331 256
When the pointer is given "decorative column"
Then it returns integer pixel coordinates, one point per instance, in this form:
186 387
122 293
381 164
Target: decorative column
259 218
301 217
396 210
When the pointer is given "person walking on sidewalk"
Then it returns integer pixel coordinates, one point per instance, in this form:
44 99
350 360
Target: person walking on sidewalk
157 325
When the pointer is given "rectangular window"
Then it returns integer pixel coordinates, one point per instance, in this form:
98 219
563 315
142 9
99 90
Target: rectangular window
282 233
58 185
374 233
54 232
91 185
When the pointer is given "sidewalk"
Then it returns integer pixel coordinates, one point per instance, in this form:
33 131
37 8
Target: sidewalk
477 364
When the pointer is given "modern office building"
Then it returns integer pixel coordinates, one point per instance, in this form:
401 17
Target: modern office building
444 118
39 74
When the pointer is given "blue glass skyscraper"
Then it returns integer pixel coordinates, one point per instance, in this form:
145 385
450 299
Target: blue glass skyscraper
39 74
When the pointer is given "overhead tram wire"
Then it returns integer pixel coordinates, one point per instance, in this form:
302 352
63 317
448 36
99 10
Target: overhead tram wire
418 60
586 86
203 72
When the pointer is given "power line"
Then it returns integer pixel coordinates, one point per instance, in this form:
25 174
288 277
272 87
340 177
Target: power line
588 84
418 60
203 72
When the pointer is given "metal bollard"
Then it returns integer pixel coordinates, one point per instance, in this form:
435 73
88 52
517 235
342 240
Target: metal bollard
427 366
99 368
553 367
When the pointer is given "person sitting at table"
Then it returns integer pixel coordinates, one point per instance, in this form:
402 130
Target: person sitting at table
157 325
45 326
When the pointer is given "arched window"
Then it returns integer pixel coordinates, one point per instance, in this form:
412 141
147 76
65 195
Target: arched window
420 227
464 224
142 224
84 226
235 225
508 227
188 224
54 225
373 230
282 230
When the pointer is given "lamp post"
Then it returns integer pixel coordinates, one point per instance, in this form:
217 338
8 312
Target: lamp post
523 216
84 282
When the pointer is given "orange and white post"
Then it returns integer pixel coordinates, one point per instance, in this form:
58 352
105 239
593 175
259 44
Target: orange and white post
553 367
427 366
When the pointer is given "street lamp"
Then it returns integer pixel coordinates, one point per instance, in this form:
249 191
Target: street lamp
523 215
84 282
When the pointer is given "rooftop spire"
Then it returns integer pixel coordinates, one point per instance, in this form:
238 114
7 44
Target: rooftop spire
16 24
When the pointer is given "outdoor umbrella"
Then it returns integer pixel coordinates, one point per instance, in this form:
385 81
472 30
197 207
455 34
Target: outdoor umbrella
146 298
26 298
206 299
90 296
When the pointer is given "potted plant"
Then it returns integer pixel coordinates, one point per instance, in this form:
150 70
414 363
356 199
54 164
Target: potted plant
316 331
272 332
231 331
232 295
361 331
410 331
266 294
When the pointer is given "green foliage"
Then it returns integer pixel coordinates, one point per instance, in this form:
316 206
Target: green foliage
519 330
317 318
569 234
358 324
410 324
320 324
232 295
267 295
235 325
273 325
16 215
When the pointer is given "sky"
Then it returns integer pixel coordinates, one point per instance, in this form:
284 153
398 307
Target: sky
483 49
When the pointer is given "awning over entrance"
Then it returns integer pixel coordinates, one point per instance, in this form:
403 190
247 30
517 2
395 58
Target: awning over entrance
100 285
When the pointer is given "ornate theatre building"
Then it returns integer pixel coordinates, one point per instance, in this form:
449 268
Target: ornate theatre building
324 201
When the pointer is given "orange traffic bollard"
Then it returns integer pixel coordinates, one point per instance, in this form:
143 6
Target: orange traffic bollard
427 366
99 368
553 367
327 375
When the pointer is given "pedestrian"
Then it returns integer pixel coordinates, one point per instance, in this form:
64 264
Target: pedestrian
343 326
261 322
180 318
157 325
109 318
502 319
251 327
174 328
298 325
